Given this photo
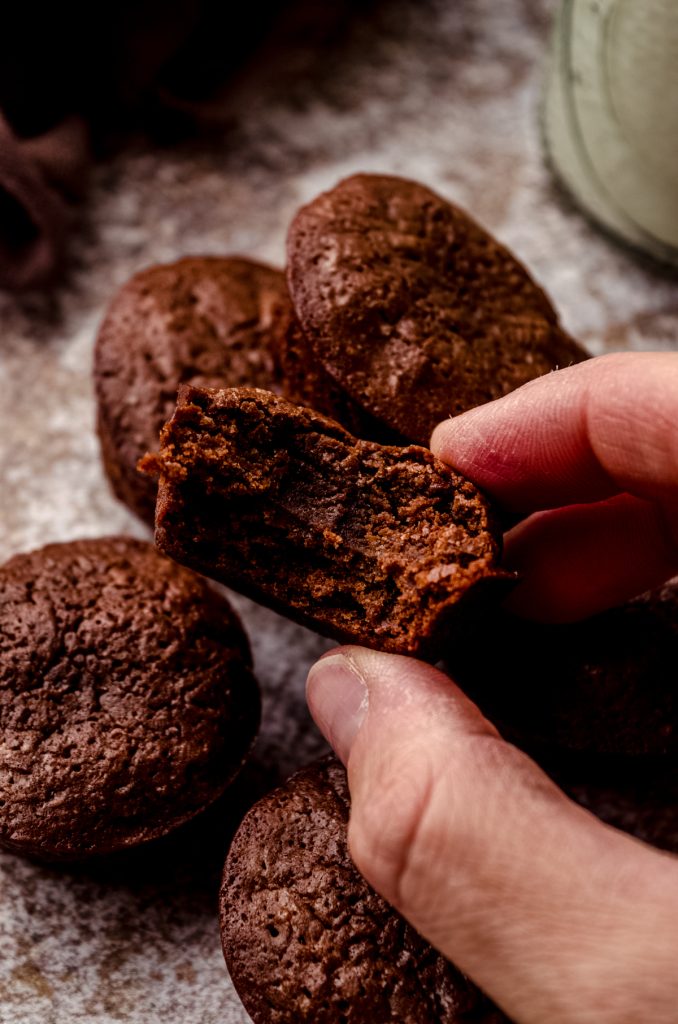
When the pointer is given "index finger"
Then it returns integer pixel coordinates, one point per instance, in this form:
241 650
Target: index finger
582 434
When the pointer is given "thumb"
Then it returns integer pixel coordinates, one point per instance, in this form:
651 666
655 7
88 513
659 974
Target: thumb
555 915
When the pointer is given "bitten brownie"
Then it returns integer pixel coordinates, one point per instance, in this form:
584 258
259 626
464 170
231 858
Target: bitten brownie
127 702
305 937
603 687
411 310
204 320
364 543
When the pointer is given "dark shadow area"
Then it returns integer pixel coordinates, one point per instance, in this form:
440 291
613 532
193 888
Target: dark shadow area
18 230
641 800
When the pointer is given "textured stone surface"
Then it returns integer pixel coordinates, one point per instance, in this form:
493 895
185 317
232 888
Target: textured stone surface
446 93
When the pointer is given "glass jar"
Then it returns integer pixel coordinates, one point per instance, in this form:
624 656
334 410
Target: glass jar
611 116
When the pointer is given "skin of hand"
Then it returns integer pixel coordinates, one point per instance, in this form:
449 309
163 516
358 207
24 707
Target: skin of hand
558 917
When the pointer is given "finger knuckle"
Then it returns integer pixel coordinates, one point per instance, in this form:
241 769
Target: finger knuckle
426 834
382 832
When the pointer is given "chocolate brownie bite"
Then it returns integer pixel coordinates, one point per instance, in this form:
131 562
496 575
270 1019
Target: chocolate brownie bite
205 320
307 939
411 309
127 701
604 688
362 542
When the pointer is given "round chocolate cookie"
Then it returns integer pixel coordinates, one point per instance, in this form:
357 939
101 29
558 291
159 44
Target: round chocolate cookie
411 309
203 320
306 938
605 687
127 701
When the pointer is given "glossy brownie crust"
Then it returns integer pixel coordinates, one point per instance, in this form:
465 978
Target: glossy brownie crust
411 309
127 701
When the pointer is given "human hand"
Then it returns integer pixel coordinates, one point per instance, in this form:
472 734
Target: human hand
558 917
597 446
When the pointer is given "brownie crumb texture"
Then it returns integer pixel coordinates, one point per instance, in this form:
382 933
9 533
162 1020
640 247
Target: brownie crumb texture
127 701
204 319
409 311
365 543
305 937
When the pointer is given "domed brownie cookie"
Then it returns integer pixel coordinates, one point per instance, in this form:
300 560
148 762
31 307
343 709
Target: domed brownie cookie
413 310
205 320
603 687
127 701
305 937
365 543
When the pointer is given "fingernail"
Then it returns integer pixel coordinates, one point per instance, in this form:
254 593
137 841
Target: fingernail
451 436
337 698
438 437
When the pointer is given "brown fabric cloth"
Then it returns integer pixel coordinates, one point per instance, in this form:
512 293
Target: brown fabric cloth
168 68
39 180
63 91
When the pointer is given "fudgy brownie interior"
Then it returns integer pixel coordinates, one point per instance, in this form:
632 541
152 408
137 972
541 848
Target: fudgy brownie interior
366 543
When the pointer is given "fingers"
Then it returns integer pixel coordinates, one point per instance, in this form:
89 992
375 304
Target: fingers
587 434
556 916
579 560
578 435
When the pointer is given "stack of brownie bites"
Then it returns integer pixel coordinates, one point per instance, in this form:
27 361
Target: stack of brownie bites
275 428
